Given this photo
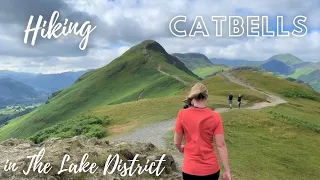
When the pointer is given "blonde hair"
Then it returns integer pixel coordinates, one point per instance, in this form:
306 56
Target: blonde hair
198 91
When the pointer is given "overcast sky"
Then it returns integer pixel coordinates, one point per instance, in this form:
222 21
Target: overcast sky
124 23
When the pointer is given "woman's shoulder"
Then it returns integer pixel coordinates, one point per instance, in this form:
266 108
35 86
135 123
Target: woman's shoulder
215 113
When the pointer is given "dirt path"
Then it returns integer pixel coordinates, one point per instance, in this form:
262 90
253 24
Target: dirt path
272 100
149 58
156 132
175 77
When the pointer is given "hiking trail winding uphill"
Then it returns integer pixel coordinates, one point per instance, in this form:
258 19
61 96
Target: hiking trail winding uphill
156 132
175 77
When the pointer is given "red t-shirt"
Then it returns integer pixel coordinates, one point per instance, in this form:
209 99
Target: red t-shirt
199 125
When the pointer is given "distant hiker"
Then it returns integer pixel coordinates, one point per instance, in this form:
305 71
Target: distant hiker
200 127
230 98
239 100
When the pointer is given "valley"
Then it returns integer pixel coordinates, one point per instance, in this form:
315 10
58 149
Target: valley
11 112
14 92
45 83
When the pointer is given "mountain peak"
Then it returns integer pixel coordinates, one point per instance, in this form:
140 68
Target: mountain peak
152 45
287 58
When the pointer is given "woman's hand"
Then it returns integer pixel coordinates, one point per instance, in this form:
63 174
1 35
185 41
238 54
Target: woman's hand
181 149
226 175
177 141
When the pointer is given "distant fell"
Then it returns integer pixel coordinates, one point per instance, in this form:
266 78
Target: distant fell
193 60
287 58
282 64
48 83
14 92
235 62
313 79
199 64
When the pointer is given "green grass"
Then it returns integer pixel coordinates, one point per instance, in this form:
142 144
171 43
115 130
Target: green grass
152 109
305 70
259 145
313 79
206 71
315 85
301 71
288 90
276 142
145 111
273 143
264 146
17 108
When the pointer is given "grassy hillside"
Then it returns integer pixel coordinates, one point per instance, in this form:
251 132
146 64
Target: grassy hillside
293 67
304 69
159 109
119 118
235 62
11 112
199 64
14 92
285 137
287 58
279 86
208 71
273 143
193 60
144 71
313 79
282 64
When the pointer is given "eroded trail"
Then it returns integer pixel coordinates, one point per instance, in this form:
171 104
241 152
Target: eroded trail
156 132
272 100
175 77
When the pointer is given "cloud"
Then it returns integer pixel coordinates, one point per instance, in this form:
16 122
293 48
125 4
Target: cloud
124 23
14 17
94 59
256 49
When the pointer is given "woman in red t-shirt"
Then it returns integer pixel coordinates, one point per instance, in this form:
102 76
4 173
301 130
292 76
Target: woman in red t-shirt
200 126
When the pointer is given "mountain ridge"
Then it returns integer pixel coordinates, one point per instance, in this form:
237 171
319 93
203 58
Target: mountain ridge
133 76
235 62
193 60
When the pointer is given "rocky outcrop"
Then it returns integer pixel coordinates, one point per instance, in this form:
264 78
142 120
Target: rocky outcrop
17 151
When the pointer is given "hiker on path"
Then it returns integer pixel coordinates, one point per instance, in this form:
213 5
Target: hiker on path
239 100
200 127
230 98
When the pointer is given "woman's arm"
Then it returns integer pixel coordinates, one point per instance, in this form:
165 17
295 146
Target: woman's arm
223 153
178 141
